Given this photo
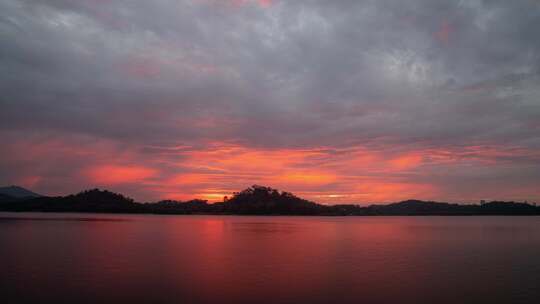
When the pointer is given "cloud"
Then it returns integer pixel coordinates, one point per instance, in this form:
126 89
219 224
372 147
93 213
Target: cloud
115 174
318 96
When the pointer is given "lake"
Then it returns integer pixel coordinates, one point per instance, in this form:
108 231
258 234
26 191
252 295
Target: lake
92 258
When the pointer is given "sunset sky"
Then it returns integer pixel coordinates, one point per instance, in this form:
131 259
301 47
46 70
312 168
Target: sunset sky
336 101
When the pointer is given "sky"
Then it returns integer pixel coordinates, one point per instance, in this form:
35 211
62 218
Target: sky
336 101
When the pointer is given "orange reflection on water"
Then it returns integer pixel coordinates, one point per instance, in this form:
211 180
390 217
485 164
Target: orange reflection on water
247 259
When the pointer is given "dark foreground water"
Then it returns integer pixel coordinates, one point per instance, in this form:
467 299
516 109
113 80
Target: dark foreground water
88 258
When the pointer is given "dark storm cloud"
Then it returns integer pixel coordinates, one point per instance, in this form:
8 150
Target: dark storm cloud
273 74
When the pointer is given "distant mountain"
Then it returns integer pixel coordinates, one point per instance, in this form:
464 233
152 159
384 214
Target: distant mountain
18 192
255 200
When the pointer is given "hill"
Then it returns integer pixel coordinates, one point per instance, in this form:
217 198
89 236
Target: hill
6 198
94 200
265 200
18 192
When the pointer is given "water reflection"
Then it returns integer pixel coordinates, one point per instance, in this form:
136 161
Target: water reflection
209 259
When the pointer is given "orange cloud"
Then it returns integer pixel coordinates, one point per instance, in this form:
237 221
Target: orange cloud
112 174
188 179
359 174
407 161
309 178
337 177
228 158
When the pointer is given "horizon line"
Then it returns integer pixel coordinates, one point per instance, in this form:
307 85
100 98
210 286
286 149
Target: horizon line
225 197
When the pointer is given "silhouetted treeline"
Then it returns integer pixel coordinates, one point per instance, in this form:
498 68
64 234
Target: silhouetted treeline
87 201
265 200
256 200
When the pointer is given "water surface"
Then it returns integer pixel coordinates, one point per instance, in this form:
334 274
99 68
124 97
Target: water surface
89 258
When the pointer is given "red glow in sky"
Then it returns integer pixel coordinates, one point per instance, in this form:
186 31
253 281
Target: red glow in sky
325 174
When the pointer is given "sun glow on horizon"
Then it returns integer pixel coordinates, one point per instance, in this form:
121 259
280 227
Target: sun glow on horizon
322 174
